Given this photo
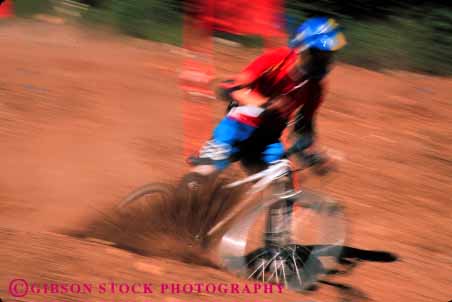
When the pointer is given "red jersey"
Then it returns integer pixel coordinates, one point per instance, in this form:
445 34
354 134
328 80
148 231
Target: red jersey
270 77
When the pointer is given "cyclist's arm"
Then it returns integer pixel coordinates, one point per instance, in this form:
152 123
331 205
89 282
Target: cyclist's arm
237 91
304 126
239 86
247 96
259 66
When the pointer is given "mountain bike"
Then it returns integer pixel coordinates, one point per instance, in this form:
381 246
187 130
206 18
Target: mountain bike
303 232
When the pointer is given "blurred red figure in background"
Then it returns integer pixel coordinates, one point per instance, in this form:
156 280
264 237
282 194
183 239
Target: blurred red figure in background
202 18
6 8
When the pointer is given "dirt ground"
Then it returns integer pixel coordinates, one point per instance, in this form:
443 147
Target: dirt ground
86 116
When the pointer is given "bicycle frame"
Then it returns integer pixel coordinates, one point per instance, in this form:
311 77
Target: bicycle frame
279 169
278 252
264 178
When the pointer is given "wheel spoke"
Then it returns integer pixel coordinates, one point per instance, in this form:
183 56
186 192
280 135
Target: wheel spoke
297 271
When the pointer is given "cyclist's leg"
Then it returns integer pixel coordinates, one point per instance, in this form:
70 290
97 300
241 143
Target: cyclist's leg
273 152
278 223
223 145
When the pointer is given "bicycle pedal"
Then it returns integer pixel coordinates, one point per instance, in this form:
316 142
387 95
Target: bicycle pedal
192 181
198 237
193 185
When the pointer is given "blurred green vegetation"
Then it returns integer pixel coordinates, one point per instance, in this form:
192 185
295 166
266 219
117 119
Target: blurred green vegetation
25 8
394 34
147 19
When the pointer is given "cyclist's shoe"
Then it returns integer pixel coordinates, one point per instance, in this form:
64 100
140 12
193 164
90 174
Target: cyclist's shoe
313 159
198 161
321 164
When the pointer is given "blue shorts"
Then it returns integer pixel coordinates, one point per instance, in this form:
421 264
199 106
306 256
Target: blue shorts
227 141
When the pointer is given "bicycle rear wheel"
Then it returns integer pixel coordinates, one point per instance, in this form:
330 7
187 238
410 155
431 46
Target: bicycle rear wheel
146 193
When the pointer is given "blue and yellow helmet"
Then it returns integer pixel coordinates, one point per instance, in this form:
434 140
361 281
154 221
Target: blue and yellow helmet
321 33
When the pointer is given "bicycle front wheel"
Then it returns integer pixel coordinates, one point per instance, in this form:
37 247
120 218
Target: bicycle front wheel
318 234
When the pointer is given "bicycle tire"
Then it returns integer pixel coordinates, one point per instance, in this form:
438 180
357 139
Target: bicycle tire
232 244
151 188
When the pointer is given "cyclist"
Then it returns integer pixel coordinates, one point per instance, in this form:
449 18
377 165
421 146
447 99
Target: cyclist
262 99
266 93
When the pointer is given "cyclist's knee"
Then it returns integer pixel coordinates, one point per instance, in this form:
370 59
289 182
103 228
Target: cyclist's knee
218 153
273 152
227 135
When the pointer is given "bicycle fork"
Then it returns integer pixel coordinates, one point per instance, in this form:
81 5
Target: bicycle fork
278 228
